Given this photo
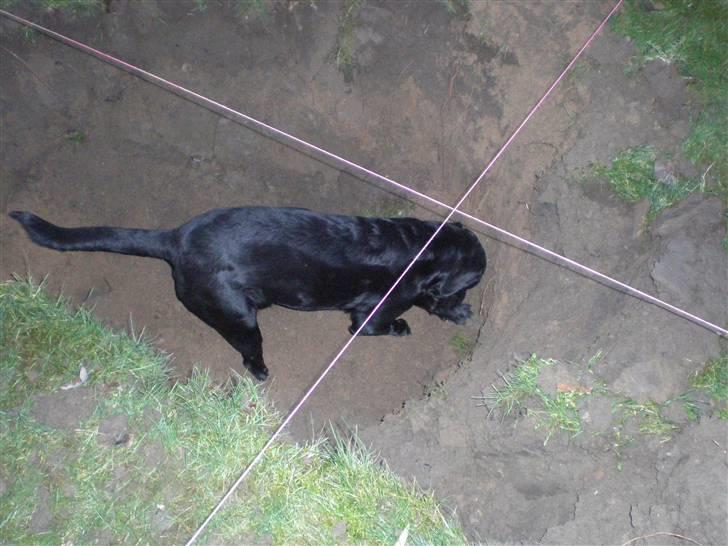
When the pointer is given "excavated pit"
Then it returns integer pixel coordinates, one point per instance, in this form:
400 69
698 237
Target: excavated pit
427 99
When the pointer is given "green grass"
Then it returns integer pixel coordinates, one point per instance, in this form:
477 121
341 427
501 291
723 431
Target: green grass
456 7
713 379
648 417
633 419
186 444
632 177
70 8
462 344
253 10
555 411
76 137
692 35
43 345
345 51
559 410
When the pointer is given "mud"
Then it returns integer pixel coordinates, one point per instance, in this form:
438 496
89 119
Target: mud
427 100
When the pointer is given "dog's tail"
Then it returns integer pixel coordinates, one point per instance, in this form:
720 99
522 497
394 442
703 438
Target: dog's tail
136 242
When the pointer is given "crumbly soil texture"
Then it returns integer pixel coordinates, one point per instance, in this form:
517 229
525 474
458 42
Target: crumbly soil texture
425 95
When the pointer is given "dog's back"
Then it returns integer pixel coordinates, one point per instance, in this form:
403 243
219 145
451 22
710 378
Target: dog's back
229 263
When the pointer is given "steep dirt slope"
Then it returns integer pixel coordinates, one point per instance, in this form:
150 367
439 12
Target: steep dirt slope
506 484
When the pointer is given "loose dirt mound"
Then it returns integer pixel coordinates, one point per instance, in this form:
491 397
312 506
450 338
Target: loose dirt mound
427 98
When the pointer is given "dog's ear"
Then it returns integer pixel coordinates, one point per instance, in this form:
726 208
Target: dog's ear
433 285
458 224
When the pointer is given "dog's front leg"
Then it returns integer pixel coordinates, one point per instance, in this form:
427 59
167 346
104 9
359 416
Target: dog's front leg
384 322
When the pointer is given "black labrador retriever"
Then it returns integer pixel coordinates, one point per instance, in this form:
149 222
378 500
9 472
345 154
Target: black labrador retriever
228 263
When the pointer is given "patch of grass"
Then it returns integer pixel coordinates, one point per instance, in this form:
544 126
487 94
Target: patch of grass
462 344
69 8
345 52
558 408
692 35
248 11
460 8
42 347
77 137
555 411
631 418
648 416
632 177
520 385
690 407
185 444
713 379
253 10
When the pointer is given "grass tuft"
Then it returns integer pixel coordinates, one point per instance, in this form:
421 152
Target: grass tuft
555 411
692 35
556 406
463 345
345 52
181 447
70 8
456 7
648 416
713 379
43 346
632 177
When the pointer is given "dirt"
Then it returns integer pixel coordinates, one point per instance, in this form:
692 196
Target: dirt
427 101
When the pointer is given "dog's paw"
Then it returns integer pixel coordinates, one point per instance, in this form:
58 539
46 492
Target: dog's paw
400 328
259 370
261 374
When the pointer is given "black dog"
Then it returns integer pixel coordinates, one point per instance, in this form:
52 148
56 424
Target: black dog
228 263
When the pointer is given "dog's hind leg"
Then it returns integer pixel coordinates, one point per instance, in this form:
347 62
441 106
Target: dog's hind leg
234 315
249 343
384 322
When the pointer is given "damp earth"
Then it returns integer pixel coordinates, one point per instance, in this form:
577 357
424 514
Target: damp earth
425 96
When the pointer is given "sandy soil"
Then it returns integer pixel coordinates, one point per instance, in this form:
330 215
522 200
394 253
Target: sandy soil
431 97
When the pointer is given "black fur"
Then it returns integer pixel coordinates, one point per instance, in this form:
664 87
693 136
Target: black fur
228 263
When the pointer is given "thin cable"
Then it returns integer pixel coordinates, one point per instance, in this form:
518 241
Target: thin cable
318 153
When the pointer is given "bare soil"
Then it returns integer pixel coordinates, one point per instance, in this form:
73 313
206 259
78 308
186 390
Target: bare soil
427 100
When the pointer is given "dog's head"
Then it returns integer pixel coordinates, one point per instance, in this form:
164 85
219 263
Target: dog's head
456 264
